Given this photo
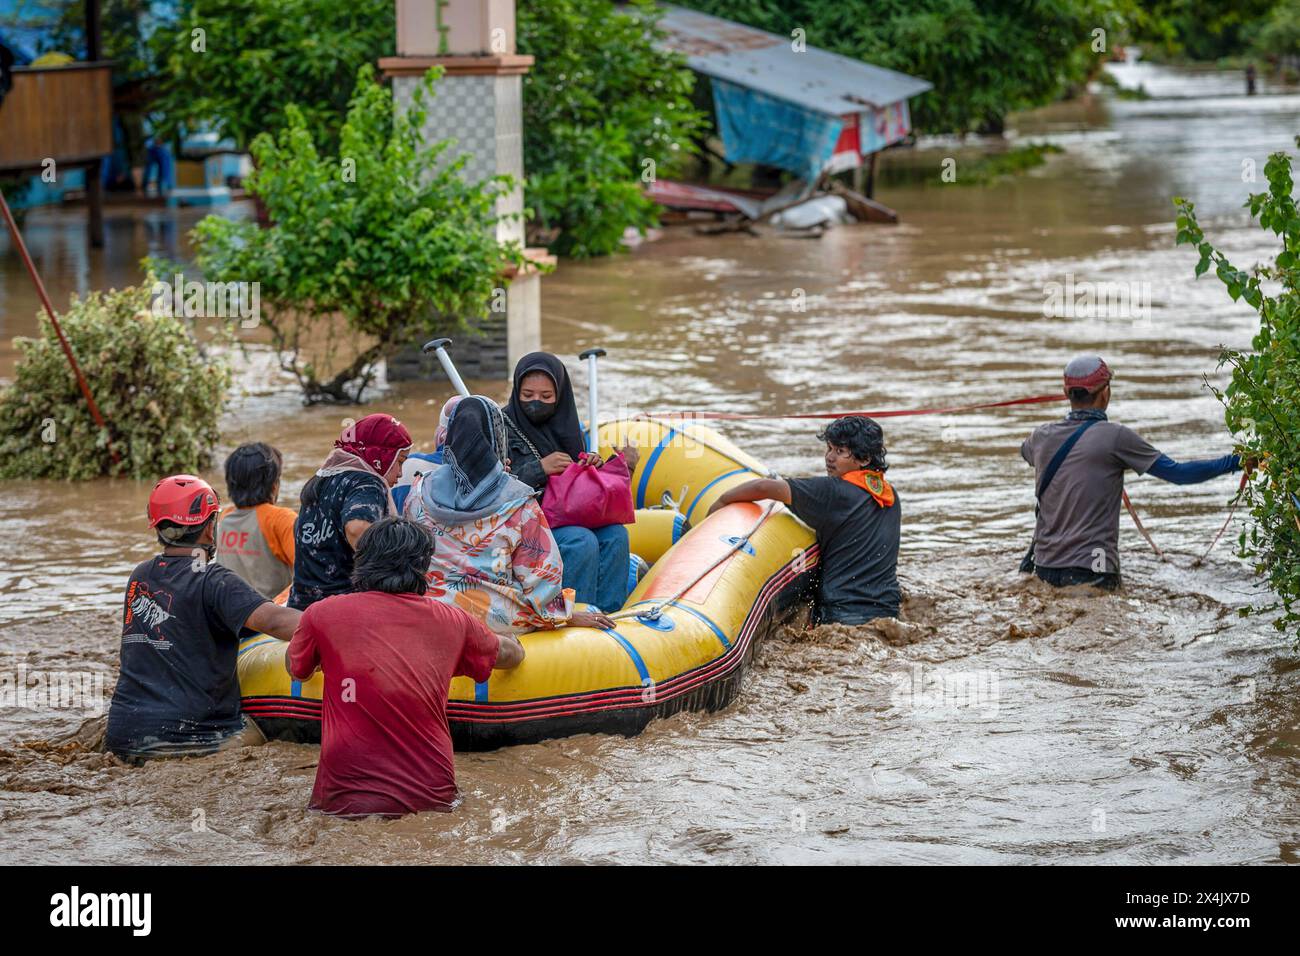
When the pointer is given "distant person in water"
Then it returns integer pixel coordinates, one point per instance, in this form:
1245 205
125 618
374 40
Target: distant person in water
254 534
545 439
857 517
494 553
177 692
349 493
388 654
1079 463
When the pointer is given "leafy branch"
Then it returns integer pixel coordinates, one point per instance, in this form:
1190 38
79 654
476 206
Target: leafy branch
365 251
1262 401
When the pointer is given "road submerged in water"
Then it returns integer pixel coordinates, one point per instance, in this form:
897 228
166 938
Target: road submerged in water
999 721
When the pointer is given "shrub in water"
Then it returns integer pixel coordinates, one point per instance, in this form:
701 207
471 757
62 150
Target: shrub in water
160 394
1262 403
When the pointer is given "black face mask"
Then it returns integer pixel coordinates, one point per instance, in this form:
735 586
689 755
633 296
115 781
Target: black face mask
538 412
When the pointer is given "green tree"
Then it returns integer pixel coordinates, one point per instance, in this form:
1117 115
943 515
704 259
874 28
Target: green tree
1200 29
587 200
986 58
368 250
125 27
236 65
1278 35
160 394
604 111
1262 402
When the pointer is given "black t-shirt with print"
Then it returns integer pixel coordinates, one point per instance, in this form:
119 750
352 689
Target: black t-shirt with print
858 542
322 560
178 690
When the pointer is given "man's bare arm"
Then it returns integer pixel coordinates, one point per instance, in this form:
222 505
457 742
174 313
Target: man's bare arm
289 668
354 529
760 489
273 619
510 655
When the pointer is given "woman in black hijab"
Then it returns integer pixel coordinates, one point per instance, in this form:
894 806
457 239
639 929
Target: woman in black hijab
545 439
546 436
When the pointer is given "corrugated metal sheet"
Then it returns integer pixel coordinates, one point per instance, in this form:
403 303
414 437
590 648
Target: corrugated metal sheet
814 79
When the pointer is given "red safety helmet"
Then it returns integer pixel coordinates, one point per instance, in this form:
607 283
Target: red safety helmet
183 500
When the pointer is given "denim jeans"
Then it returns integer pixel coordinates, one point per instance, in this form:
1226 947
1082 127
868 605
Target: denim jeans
595 564
159 159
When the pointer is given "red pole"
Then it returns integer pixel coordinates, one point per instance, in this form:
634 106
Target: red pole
54 320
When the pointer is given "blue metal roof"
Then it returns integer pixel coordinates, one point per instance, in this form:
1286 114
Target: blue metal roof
814 79
22 34
26 26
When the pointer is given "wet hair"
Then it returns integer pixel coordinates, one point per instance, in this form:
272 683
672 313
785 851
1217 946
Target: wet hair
1081 396
309 491
171 534
393 556
251 473
862 436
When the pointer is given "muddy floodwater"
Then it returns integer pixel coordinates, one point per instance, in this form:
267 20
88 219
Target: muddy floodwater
999 722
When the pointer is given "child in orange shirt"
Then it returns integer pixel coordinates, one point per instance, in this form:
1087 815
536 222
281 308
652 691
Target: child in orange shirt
255 535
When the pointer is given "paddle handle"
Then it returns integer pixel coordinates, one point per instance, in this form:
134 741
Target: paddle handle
439 346
593 398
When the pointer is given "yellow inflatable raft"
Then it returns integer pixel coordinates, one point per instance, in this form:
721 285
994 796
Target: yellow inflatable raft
681 642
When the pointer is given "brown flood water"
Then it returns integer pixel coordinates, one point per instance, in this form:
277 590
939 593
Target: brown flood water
1001 722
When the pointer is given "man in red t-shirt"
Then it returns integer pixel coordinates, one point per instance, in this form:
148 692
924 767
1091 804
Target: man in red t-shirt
388 654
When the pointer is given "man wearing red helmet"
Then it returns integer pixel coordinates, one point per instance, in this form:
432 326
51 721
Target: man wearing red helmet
177 692
349 493
1079 463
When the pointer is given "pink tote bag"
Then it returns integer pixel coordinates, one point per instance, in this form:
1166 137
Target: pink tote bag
589 496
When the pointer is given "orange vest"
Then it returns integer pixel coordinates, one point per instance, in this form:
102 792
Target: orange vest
257 544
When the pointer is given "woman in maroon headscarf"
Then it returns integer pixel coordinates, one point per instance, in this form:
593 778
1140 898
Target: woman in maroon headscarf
348 494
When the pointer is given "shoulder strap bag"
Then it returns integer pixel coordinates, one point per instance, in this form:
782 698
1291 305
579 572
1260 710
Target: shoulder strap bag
1053 466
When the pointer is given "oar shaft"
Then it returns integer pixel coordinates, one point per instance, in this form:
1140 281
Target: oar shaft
449 367
58 328
593 403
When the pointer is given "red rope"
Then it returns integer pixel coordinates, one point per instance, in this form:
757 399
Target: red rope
732 416
1236 500
58 329
1132 512
952 410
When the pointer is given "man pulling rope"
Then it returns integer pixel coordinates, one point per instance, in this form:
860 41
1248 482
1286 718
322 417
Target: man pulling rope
1079 463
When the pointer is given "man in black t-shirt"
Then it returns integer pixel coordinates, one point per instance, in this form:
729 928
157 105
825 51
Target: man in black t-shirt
178 692
323 541
348 493
856 515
